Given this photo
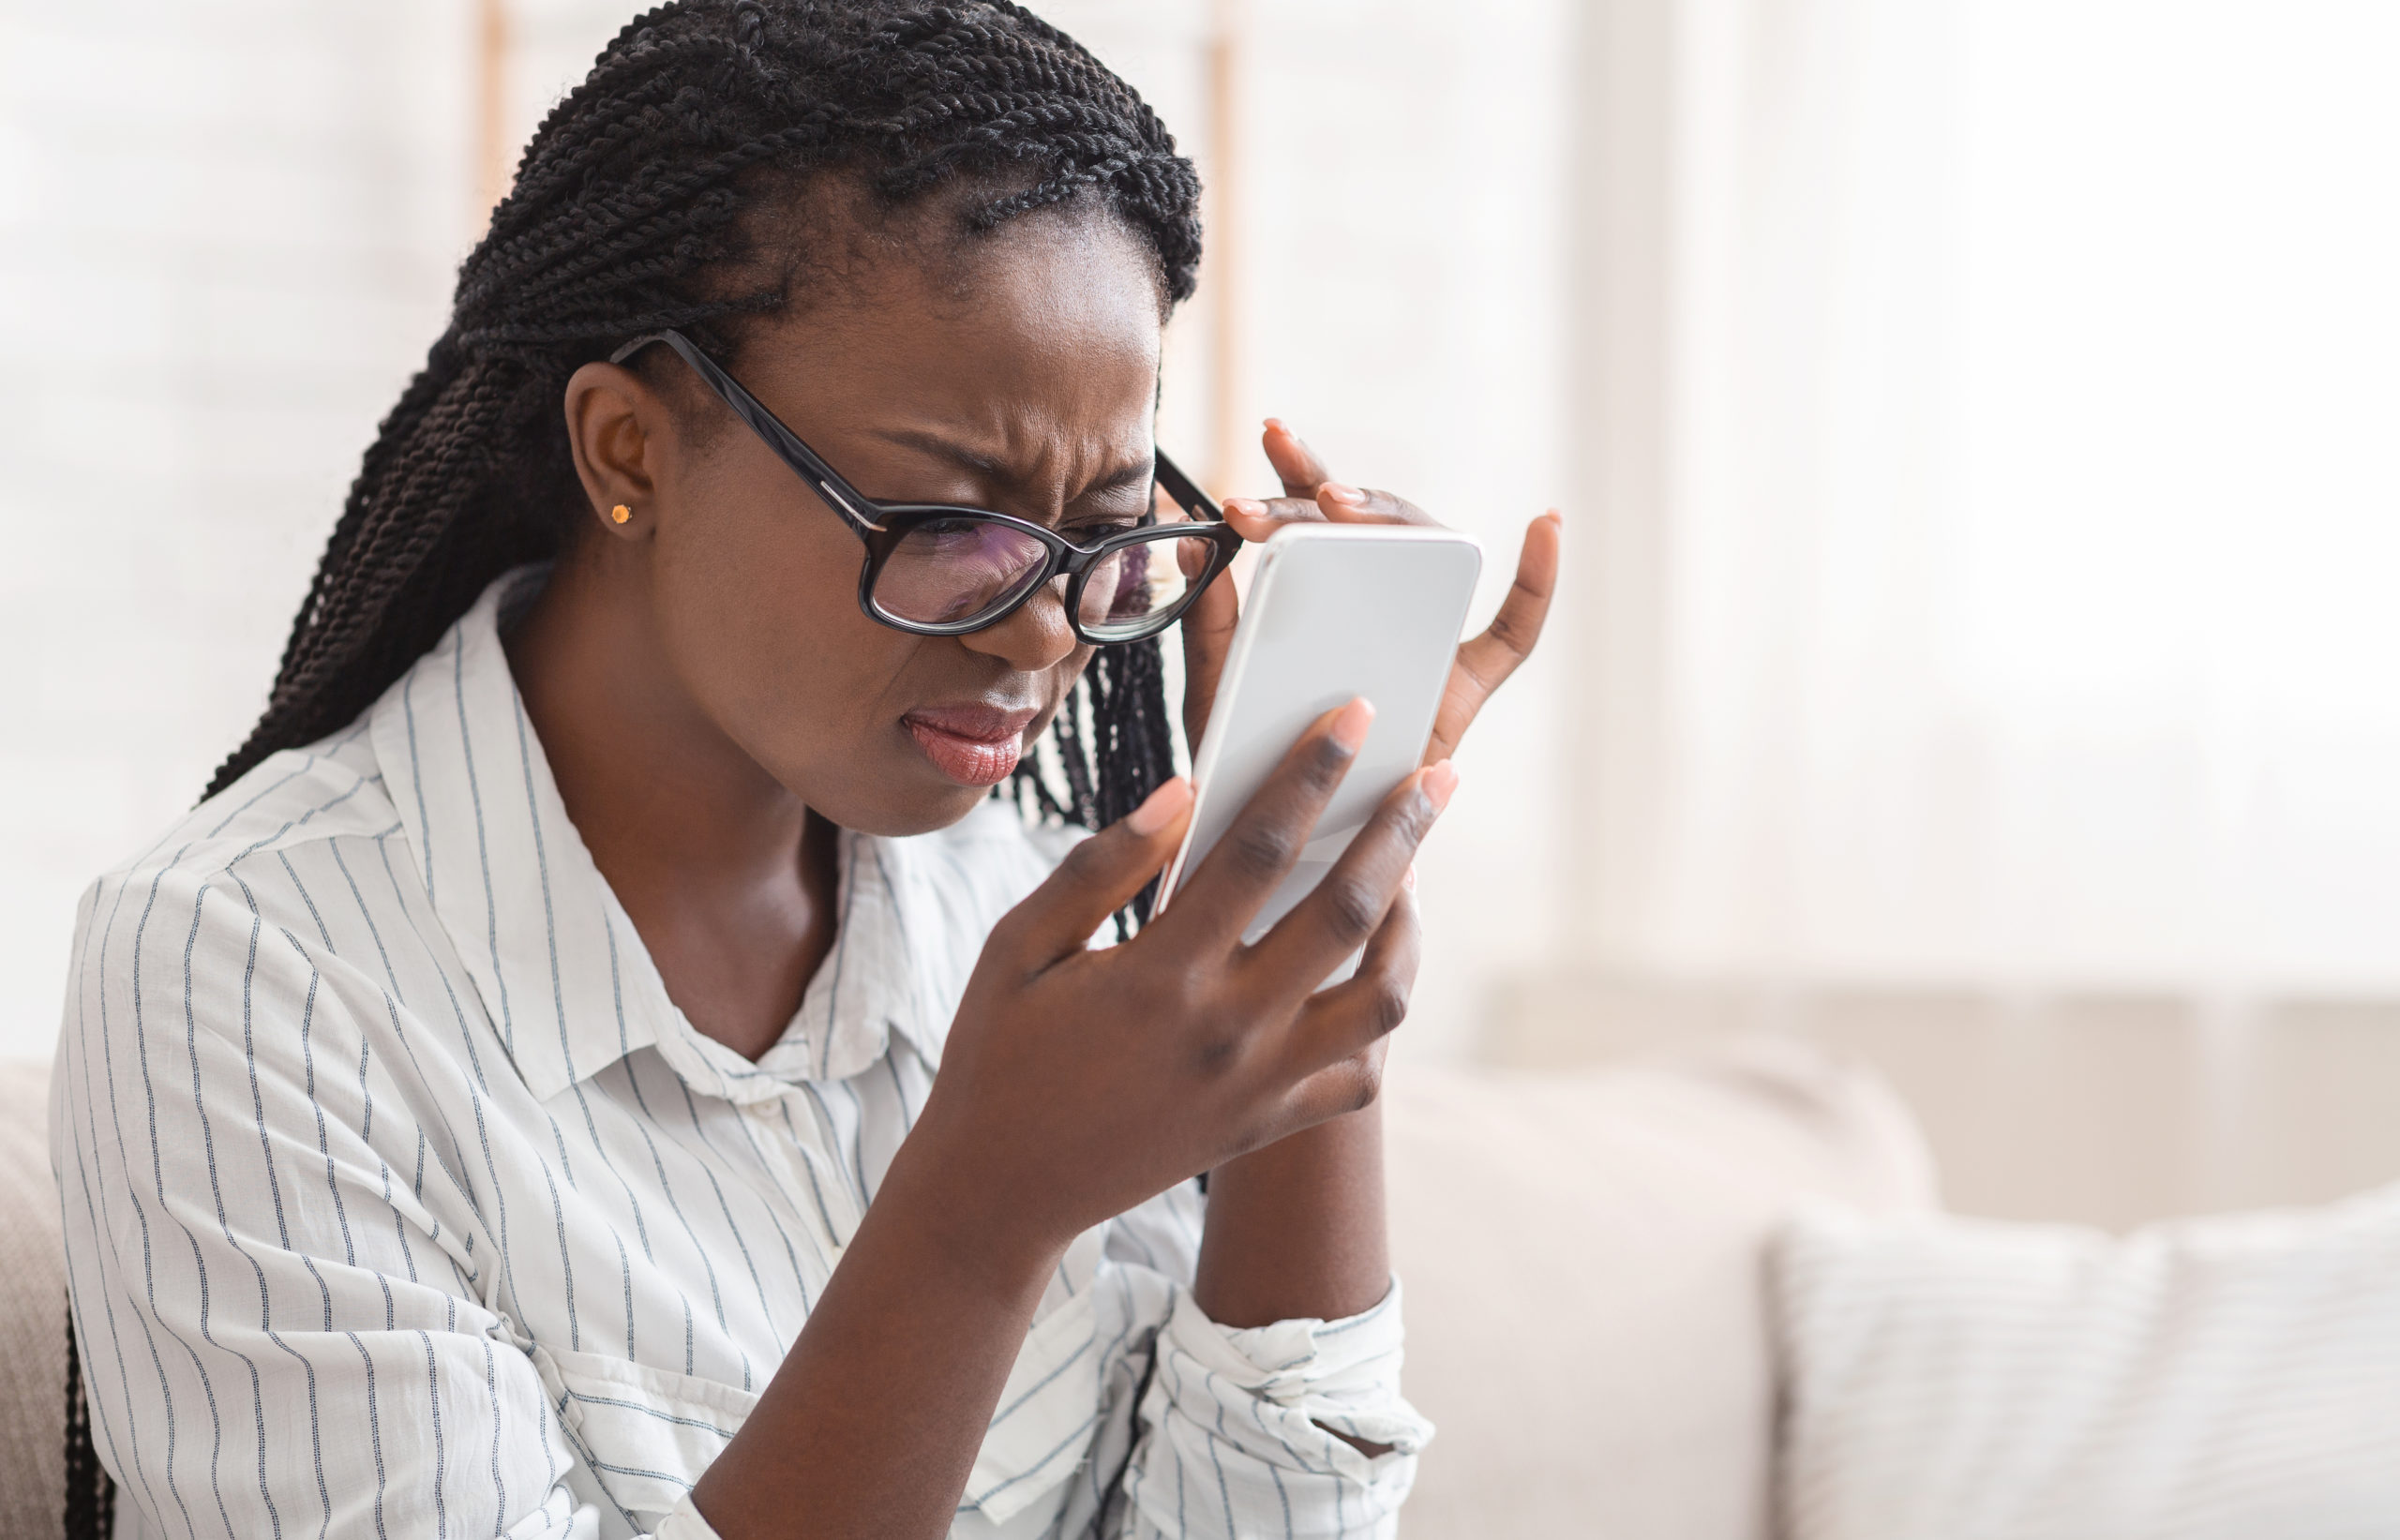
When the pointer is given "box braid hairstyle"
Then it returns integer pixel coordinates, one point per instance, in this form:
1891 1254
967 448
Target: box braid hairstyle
637 207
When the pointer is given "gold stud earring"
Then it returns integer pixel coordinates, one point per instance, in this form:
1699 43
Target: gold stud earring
621 512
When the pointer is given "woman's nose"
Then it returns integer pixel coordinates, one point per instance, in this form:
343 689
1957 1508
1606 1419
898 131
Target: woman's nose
1035 637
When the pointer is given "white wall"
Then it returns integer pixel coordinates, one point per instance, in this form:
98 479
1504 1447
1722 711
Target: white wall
225 239
1988 657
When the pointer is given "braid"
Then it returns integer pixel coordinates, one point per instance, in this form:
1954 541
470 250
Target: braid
1120 706
632 212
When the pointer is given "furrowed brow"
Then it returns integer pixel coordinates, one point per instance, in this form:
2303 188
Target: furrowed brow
986 467
991 469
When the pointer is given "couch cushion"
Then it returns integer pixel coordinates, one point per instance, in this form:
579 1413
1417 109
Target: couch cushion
1584 1261
33 1311
2206 1379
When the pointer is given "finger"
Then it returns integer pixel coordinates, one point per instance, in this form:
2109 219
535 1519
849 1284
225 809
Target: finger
1099 876
1348 906
1486 660
1345 505
1214 904
1295 464
1338 1024
1207 637
1256 518
1337 1090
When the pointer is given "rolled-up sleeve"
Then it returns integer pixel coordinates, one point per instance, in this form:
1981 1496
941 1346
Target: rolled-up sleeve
1242 1429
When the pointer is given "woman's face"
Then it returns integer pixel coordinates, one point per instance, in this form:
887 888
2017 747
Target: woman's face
1019 376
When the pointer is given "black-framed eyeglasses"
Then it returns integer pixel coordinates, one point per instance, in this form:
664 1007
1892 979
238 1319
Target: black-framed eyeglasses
942 569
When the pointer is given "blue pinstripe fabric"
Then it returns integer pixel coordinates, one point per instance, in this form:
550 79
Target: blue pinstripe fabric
399 1199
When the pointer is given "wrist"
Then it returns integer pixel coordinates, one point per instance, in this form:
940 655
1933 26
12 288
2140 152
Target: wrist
1296 1230
963 1208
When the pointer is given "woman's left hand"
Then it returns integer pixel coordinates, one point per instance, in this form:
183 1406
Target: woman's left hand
1312 496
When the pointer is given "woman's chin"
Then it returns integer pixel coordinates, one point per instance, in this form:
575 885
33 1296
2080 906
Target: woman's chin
909 799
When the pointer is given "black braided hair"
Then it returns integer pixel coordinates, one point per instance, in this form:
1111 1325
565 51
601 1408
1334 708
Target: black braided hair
645 202
89 1508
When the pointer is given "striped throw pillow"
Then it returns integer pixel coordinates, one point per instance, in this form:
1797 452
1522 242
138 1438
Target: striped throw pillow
1950 1379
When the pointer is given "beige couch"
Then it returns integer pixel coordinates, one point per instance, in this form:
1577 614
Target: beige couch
1583 1256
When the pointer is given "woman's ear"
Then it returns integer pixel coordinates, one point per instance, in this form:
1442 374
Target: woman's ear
620 430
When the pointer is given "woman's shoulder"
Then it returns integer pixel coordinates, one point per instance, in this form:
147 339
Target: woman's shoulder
326 791
240 857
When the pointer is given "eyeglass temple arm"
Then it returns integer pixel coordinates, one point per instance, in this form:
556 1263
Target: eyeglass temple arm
1184 490
845 499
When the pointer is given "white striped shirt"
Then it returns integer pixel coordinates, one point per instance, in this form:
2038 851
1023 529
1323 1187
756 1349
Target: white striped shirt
401 1199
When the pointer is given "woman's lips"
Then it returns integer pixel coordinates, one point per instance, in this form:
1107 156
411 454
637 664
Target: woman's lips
974 745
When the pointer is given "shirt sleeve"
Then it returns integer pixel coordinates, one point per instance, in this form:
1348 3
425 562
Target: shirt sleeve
1241 1429
278 1274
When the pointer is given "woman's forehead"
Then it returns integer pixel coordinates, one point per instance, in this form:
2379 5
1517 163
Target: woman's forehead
1048 329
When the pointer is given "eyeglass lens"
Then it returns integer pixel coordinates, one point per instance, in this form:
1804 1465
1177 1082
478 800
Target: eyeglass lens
1133 585
949 571
953 570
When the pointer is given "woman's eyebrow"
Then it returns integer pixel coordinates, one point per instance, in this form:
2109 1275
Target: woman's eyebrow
992 469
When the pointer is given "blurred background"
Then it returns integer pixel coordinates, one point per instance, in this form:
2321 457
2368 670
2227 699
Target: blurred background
1976 421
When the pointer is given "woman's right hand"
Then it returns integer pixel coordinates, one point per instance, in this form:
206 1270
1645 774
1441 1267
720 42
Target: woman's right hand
1077 1084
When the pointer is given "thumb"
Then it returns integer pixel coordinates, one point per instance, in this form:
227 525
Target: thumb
1207 629
1099 877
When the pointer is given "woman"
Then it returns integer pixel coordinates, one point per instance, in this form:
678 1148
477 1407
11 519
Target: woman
508 1105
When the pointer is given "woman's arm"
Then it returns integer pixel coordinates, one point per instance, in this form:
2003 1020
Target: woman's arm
1326 1182
873 1423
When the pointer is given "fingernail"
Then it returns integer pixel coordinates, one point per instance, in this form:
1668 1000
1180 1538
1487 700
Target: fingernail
1350 727
1349 497
1160 808
1277 425
1439 782
1408 878
1247 507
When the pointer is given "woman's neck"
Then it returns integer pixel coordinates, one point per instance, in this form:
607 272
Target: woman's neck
727 874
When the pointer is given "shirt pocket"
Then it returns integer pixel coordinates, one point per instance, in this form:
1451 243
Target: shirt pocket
646 1434
1045 1421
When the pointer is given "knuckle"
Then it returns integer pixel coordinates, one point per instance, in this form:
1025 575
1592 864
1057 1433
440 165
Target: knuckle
1386 1006
1326 763
1172 996
1353 909
1084 865
1008 936
1214 1056
1212 1035
1261 845
1216 1049
1366 1082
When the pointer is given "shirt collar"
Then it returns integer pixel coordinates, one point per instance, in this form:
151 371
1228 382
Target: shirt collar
563 976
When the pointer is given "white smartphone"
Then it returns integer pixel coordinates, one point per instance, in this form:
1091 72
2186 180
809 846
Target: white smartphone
1335 610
